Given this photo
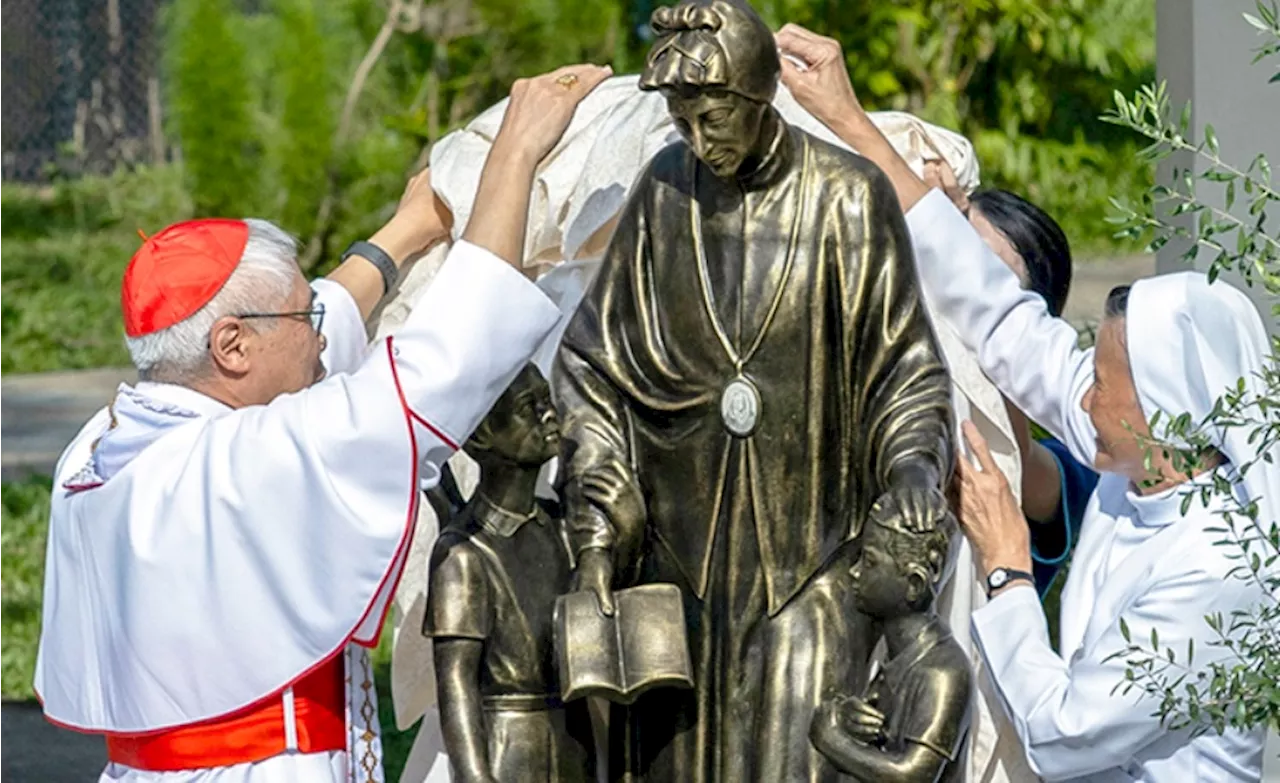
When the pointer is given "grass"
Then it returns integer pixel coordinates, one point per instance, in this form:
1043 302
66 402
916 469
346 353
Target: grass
65 247
22 533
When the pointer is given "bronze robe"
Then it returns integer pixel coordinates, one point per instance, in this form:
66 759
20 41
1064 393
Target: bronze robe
808 270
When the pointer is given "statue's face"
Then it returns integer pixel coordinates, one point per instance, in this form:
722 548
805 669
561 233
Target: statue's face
523 426
722 128
882 587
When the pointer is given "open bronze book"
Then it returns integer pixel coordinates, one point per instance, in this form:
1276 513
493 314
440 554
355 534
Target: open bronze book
644 645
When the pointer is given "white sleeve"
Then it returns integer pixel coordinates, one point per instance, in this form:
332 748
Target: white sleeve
1072 718
274 534
1032 357
347 456
346 341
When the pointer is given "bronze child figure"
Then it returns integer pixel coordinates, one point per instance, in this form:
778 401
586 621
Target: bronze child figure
914 720
496 572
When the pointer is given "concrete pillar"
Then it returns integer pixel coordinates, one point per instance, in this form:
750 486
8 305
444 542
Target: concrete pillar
1204 50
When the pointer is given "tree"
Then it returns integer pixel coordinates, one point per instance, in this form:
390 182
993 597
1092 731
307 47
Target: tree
1023 79
1242 690
211 106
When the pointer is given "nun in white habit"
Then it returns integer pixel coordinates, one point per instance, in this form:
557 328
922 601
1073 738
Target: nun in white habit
1176 345
1172 345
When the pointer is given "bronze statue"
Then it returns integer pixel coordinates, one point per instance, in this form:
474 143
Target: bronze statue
750 378
496 572
914 719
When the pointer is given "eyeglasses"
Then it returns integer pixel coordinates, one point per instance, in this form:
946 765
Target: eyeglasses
315 314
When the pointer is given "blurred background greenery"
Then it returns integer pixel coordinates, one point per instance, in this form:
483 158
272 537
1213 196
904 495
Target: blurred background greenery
257 122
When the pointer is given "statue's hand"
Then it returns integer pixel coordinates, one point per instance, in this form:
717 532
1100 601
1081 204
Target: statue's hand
595 573
917 509
862 721
826 726
845 717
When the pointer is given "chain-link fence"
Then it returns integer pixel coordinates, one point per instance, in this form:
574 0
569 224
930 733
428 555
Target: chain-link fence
81 89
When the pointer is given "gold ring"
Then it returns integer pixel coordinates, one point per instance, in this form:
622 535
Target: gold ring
568 80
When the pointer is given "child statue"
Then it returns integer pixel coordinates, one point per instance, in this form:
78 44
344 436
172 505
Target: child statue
496 571
914 719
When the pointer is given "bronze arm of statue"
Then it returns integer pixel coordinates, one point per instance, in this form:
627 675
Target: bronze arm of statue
604 509
461 718
913 763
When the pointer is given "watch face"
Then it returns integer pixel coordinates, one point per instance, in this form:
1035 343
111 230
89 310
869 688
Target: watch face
998 578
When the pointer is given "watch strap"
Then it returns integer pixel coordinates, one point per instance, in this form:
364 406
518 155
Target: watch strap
379 258
1011 575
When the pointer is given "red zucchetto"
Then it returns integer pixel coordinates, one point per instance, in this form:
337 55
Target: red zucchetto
177 271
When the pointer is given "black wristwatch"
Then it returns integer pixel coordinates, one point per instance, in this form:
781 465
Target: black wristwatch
379 258
1003 576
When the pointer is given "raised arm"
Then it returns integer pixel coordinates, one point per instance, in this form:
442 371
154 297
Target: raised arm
1031 356
536 118
345 458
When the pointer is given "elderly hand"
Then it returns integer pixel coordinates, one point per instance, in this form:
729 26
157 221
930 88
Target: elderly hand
821 82
938 174
989 514
542 107
421 220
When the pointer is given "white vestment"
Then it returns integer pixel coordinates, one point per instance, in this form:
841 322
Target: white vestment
1138 558
578 193
203 559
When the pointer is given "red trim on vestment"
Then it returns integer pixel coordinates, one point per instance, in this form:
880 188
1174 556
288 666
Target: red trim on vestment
433 428
414 491
406 537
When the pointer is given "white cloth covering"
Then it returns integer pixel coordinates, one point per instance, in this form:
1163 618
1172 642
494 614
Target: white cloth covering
201 559
1138 558
577 196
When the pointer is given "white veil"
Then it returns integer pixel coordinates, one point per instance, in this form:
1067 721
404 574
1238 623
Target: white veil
1190 341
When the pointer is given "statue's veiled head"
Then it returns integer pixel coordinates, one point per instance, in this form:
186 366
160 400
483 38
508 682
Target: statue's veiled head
522 427
716 63
900 570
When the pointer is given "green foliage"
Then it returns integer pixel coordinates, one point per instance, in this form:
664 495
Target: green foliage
65 250
1240 244
396 744
1024 79
1242 688
210 106
25 516
308 113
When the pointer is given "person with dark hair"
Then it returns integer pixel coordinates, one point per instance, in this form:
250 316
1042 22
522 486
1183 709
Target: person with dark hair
1055 485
